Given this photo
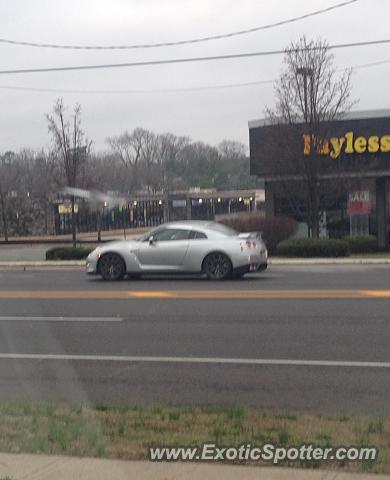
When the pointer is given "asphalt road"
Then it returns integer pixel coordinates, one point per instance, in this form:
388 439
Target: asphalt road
257 341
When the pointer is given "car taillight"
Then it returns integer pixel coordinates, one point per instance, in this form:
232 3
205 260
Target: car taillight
248 244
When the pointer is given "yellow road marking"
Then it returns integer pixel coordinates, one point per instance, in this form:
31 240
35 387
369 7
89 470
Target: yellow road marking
377 293
151 294
190 294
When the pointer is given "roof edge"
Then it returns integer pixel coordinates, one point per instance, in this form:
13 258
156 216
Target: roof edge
353 115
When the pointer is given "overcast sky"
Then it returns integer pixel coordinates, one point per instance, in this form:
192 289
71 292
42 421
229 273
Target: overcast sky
211 115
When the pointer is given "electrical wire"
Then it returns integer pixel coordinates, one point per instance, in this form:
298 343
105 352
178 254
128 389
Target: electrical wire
371 64
141 91
186 60
171 90
178 42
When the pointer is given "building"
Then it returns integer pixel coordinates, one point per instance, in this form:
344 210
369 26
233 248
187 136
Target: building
352 163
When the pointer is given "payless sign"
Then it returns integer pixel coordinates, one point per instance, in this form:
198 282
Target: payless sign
347 144
355 146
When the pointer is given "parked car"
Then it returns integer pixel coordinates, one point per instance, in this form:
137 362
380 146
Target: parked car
202 247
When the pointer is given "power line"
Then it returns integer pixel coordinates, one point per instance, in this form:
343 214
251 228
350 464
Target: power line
171 90
140 91
178 42
186 60
371 64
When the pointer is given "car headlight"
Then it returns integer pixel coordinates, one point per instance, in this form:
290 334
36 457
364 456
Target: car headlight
96 253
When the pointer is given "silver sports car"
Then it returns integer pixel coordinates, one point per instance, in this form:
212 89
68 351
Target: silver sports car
182 247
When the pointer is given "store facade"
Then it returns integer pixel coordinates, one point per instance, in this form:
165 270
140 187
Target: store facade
350 158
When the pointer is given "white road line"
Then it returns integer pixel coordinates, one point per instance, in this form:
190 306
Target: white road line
58 319
205 360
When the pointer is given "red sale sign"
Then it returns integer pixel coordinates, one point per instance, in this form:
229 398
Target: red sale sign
359 203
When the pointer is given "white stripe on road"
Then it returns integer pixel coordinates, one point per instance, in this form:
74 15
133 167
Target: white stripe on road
58 319
205 360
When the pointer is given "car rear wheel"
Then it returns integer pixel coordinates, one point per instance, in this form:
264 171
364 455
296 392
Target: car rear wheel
217 266
112 267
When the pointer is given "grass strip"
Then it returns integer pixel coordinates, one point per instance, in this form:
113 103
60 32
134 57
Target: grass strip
126 432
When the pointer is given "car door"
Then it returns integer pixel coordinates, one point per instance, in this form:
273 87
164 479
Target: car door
165 251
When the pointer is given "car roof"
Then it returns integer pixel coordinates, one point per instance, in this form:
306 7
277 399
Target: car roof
189 224
202 225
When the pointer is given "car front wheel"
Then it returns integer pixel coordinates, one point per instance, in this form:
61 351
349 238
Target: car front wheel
112 267
217 266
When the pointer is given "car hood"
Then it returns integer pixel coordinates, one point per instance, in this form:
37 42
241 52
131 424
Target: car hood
118 245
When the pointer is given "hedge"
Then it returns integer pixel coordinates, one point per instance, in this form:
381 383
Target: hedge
68 253
308 247
361 243
274 229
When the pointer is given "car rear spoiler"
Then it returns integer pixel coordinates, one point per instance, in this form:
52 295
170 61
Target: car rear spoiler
251 235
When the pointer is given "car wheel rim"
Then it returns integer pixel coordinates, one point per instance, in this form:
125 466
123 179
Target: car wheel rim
111 267
217 266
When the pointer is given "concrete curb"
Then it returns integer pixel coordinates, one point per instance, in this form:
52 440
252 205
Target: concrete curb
329 261
46 264
59 264
45 467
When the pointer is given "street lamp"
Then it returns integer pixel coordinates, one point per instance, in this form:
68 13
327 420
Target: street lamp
99 220
305 72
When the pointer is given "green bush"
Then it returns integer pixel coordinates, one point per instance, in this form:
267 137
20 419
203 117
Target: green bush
274 229
361 243
309 247
68 253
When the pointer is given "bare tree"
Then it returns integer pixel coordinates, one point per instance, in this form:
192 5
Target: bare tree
234 172
169 148
162 162
42 189
148 157
128 147
36 186
9 174
150 152
310 91
70 150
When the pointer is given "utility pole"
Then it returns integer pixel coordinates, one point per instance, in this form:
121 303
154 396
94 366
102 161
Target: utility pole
77 155
313 226
305 72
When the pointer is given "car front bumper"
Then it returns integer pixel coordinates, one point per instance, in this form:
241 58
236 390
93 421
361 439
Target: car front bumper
91 266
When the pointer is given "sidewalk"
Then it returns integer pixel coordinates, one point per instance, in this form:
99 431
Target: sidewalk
45 467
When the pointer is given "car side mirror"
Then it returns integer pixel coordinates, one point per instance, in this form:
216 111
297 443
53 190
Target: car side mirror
151 240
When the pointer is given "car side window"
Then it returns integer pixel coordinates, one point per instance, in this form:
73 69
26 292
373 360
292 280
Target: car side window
195 235
171 234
